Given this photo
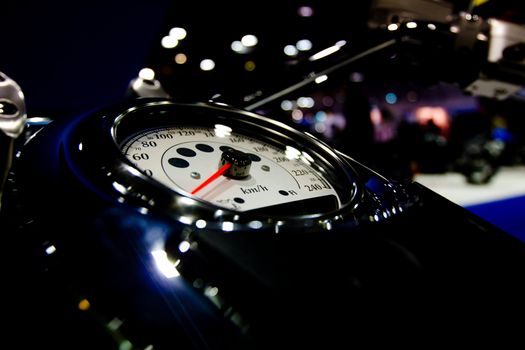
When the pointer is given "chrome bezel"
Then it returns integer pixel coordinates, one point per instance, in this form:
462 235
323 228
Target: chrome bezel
93 152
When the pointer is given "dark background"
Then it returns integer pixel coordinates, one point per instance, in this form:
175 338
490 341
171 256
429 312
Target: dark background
73 56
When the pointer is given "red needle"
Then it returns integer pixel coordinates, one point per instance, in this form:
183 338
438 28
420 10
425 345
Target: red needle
213 176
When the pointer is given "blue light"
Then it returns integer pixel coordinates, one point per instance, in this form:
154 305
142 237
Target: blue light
391 98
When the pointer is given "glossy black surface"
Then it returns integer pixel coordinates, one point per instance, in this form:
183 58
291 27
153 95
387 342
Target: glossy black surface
402 266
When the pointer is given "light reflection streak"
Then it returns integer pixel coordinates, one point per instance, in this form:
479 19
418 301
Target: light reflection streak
164 265
323 53
50 250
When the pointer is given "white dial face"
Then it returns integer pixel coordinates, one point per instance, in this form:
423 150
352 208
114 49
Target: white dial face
184 157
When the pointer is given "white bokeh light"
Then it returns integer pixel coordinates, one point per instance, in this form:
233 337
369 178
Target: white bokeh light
207 64
249 40
290 50
178 33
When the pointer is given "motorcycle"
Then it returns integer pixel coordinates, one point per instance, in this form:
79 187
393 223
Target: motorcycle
159 223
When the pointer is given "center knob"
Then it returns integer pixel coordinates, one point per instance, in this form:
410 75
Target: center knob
240 163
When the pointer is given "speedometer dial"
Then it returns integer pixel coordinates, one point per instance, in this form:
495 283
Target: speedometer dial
189 158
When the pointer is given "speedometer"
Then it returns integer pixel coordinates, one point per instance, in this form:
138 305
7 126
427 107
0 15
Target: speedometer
189 159
216 159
